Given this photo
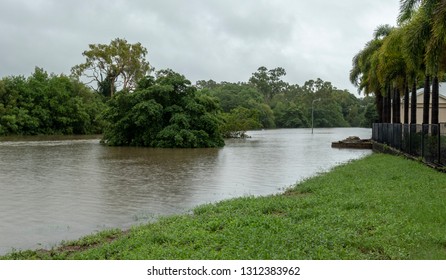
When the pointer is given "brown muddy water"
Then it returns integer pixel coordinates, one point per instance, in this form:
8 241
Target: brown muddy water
61 189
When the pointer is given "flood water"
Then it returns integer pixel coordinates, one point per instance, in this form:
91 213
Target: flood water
54 190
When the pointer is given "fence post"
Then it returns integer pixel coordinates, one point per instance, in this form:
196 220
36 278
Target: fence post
399 128
406 138
439 143
422 141
381 133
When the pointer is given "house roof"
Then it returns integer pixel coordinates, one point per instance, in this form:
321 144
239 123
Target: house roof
442 92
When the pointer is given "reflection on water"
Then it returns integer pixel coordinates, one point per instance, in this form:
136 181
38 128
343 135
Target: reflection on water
56 189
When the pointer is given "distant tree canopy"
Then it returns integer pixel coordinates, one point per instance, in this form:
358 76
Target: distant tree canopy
164 112
48 104
268 102
268 82
110 66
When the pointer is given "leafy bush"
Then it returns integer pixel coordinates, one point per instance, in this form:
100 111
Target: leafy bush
167 112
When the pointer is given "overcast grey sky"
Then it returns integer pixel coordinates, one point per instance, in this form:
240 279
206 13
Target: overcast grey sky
223 40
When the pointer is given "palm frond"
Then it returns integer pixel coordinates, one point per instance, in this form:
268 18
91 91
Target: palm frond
407 10
416 33
382 31
439 18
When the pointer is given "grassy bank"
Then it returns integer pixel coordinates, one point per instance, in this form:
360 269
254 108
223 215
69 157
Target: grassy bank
380 207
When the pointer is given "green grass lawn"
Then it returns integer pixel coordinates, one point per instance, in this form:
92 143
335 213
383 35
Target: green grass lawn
379 207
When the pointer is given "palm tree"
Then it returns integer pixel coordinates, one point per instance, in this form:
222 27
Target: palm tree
436 53
432 26
363 77
392 69
363 74
418 32
414 47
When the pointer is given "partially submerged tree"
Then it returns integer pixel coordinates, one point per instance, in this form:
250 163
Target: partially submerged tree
118 64
167 112
238 121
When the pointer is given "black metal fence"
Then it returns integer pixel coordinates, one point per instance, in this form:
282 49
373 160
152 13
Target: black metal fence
427 141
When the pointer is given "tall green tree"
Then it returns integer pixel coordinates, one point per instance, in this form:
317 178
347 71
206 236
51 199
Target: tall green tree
269 82
118 64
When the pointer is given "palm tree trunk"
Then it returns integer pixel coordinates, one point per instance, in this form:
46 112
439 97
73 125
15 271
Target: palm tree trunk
389 105
396 106
379 105
406 103
384 113
435 97
393 106
413 115
413 103
426 100
389 109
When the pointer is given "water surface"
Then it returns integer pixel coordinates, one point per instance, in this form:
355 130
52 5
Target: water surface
57 189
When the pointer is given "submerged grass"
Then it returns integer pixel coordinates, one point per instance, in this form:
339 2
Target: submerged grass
379 207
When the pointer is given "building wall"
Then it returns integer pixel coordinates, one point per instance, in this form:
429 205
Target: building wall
441 105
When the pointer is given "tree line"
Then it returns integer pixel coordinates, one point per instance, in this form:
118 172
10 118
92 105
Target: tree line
48 104
266 101
400 59
117 93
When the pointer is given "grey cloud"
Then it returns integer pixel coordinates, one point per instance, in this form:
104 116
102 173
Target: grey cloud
203 39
